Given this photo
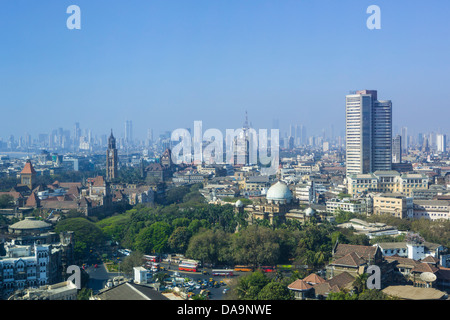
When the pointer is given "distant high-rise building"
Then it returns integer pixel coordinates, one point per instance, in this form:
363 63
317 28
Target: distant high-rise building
111 158
292 131
128 132
405 139
441 142
425 146
149 137
368 133
302 133
76 135
397 149
420 139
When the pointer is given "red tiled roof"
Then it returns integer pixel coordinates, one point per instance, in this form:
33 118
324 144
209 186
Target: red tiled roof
73 190
342 280
430 259
299 285
32 201
425 267
28 169
97 181
314 279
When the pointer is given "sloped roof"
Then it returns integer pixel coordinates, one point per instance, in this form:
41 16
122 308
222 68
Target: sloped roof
299 285
430 259
32 201
364 252
154 167
97 181
30 223
425 267
68 185
73 190
402 260
351 259
342 280
131 291
314 279
28 169
335 284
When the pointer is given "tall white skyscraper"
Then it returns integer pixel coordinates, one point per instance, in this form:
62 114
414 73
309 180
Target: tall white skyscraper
368 133
441 142
397 149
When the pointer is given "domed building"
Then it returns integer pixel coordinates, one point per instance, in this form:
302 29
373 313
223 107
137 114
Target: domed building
310 212
277 202
279 193
29 226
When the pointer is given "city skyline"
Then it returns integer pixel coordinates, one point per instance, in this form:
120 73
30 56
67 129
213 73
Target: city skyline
164 66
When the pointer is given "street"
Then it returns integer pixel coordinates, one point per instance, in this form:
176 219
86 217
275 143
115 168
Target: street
99 276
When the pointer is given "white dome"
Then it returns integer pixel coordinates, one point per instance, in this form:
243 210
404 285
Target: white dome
279 192
309 212
239 204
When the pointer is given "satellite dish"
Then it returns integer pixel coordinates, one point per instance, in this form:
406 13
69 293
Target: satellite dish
428 277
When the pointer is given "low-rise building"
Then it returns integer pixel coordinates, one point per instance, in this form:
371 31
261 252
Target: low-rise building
431 209
386 182
393 204
66 290
358 206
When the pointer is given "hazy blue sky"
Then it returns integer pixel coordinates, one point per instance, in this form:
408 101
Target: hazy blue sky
164 64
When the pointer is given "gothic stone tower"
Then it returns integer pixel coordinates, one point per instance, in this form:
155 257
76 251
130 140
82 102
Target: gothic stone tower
111 159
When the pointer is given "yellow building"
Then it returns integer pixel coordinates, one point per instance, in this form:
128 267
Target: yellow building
396 205
386 181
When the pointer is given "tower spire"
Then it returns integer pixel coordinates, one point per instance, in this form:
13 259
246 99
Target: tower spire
246 126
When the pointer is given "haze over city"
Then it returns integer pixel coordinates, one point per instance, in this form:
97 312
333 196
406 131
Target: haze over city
245 152
164 65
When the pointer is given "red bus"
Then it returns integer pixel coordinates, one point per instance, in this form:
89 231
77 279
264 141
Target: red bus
188 267
268 269
152 258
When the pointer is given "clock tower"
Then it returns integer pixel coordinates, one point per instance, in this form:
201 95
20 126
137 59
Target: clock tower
111 158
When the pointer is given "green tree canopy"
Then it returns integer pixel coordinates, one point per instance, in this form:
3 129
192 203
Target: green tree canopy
86 234
211 246
153 239
249 287
179 240
275 291
6 201
256 245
